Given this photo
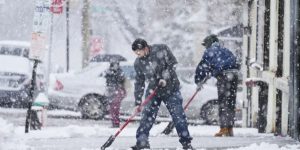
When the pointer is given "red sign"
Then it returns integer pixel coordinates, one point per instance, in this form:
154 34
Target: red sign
56 6
96 46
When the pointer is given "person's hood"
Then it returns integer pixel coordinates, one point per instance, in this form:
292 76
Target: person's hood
15 64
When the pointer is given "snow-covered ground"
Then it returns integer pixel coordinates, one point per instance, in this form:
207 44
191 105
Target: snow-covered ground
76 134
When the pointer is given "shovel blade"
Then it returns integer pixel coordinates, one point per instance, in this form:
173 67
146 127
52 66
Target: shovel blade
108 142
169 128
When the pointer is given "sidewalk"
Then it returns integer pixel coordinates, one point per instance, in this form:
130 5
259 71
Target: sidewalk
202 139
78 134
170 143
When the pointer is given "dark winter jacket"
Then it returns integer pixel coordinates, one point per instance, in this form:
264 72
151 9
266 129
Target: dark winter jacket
115 78
158 64
215 60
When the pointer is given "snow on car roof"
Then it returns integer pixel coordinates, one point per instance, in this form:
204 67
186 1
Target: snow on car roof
15 43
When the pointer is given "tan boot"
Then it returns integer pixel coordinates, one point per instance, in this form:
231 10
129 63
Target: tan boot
222 132
230 130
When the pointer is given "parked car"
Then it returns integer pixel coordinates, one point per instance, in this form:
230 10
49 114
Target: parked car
84 91
16 74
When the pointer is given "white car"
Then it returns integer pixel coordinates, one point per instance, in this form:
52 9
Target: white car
84 91
16 74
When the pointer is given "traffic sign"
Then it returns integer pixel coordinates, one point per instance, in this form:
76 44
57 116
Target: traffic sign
40 28
56 6
96 46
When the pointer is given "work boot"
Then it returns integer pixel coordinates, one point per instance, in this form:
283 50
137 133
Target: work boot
140 147
230 130
187 146
222 132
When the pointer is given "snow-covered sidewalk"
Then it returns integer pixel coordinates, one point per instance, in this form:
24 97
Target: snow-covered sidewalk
75 137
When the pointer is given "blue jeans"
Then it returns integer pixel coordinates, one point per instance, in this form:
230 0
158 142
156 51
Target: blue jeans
174 105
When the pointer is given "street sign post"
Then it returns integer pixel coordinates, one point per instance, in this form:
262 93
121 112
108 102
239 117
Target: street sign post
41 21
38 47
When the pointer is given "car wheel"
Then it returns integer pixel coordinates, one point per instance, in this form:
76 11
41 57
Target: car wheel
92 107
210 112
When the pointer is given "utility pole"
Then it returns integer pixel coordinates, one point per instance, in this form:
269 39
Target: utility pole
85 32
67 32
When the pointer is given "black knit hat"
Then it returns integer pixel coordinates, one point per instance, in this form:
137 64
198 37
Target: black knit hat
209 40
139 44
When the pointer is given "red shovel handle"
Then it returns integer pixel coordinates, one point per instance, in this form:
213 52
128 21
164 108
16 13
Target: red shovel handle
137 110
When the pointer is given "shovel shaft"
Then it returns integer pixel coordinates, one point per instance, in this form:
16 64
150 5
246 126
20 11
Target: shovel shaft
190 100
138 109
171 125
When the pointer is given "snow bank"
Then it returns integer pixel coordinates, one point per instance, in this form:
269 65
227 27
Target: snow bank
6 129
265 146
7 133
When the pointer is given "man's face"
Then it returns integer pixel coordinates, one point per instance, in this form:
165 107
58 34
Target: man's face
141 52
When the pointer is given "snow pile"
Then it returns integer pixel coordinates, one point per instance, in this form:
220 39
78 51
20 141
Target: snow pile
6 129
264 146
7 132
16 145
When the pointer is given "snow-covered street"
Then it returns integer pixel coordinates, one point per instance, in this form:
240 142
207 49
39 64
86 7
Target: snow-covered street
71 133
113 74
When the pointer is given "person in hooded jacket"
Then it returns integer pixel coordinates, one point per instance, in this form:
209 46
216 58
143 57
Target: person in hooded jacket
219 62
155 65
115 80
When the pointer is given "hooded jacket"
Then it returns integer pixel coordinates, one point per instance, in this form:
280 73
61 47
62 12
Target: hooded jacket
158 64
215 60
115 78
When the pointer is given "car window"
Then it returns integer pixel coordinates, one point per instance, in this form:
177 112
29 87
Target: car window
14 51
4 50
26 52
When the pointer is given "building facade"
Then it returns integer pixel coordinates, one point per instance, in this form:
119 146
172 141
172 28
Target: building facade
271 66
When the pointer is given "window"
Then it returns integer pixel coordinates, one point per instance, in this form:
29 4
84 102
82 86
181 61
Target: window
280 38
266 36
278 112
14 51
4 50
26 52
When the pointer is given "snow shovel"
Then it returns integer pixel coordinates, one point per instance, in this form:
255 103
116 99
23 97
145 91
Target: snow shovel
137 110
171 125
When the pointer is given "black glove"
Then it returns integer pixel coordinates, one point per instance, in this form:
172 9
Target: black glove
138 102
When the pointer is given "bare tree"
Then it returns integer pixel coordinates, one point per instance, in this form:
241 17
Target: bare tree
125 23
